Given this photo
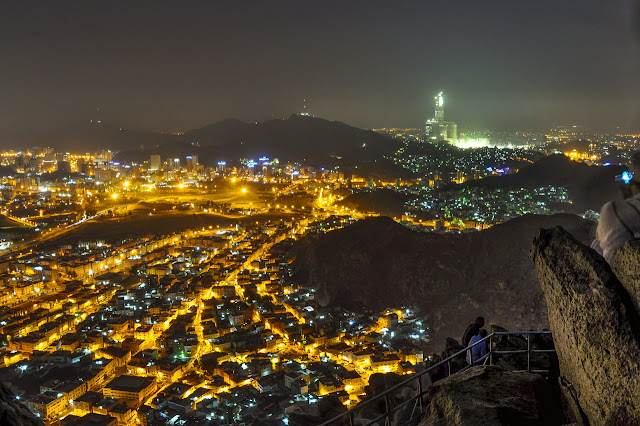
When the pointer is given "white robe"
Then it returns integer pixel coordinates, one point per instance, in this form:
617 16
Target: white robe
619 223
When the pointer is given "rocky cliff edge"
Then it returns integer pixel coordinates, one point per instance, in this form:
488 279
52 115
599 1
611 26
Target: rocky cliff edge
596 327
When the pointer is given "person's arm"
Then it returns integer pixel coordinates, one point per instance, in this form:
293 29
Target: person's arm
596 246
604 224
466 336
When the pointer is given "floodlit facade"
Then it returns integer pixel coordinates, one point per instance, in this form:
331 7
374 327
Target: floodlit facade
436 128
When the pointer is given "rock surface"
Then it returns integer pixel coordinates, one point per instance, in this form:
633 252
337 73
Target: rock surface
595 329
377 263
14 413
378 383
327 408
451 347
488 395
627 269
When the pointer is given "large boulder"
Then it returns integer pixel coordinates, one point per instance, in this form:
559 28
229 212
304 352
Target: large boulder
595 329
379 383
456 364
627 269
489 395
327 408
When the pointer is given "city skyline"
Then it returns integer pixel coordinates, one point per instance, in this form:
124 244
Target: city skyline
162 67
286 213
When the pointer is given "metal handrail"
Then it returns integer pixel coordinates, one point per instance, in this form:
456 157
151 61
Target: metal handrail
422 392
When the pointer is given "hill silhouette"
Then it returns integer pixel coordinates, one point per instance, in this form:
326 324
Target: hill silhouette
589 186
378 263
382 201
297 137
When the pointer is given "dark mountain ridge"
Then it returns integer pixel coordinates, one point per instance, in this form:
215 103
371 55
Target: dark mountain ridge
378 263
297 137
382 201
589 186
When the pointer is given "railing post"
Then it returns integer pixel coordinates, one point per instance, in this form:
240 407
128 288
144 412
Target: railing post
437 367
386 409
528 353
420 393
491 350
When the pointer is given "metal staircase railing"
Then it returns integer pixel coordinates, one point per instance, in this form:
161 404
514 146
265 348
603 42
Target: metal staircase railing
418 400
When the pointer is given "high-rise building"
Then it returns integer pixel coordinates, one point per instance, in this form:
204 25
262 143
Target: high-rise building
192 162
155 162
436 128
173 163
439 115
106 155
63 166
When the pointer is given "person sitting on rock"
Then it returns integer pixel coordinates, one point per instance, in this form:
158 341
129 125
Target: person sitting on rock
478 351
620 219
472 330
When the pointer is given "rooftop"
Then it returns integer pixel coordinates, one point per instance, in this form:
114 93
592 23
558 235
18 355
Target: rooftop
92 419
127 383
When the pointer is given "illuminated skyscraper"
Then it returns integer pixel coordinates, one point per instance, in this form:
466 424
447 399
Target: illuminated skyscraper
436 128
155 162
192 162
439 108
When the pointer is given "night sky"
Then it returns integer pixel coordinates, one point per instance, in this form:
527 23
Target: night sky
171 66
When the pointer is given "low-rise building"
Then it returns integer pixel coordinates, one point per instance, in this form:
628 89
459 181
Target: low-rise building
130 388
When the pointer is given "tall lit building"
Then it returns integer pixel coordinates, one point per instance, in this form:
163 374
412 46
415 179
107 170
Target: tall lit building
436 128
192 162
439 115
155 162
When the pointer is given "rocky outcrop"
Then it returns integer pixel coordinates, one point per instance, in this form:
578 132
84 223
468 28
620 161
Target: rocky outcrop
377 263
595 328
327 408
378 383
489 395
451 347
14 413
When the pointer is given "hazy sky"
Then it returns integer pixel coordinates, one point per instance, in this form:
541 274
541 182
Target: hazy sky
162 65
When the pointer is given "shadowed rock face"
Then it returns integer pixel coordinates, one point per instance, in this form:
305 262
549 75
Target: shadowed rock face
595 328
378 263
14 413
488 395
